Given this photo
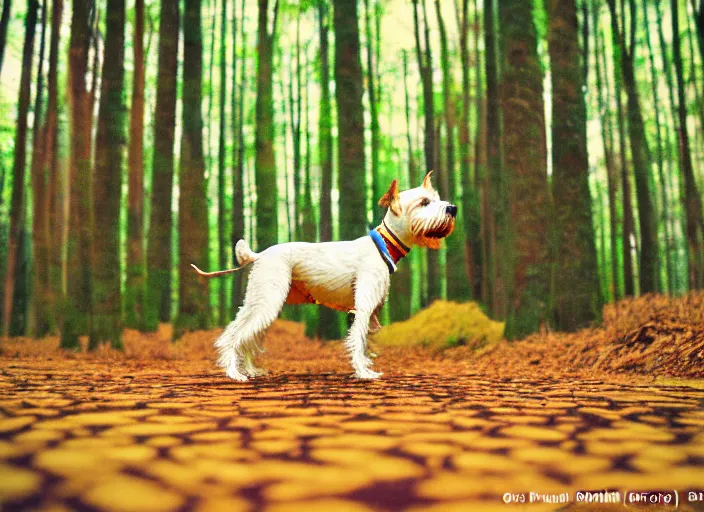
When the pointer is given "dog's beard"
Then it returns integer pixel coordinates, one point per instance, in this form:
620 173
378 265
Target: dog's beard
430 232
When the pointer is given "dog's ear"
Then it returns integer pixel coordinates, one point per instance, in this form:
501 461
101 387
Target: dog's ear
391 199
426 182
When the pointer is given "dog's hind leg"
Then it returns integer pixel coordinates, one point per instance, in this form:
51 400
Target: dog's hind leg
268 286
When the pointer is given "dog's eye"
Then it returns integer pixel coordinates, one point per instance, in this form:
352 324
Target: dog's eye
425 201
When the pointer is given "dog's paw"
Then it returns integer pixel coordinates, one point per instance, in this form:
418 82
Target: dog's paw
256 372
368 374
235 374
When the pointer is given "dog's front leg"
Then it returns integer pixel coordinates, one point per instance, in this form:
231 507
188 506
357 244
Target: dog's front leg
369 293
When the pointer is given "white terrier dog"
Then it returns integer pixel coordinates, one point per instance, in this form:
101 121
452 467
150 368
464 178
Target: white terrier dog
350 276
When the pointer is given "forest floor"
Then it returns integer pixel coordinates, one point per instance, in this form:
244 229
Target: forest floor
158 427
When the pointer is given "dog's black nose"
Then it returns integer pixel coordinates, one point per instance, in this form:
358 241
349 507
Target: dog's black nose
451 209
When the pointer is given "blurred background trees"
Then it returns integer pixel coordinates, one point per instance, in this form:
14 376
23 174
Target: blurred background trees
157 133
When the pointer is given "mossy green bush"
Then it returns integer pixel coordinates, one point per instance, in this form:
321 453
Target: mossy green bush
442 325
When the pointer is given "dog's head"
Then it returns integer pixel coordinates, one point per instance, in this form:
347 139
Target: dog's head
418 216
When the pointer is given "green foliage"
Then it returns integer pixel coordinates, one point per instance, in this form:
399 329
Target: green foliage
455 341
443 325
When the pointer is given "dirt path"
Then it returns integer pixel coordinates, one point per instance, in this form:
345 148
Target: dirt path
161 435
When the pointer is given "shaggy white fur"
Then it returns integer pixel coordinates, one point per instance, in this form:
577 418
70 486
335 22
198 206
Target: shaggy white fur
348 275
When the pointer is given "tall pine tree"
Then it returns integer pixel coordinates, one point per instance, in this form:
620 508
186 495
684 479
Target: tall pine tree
328 320
577 297
77 308
265 159
135 285
350 121
109 145
17 205
159 256
648 262
521 89
194 299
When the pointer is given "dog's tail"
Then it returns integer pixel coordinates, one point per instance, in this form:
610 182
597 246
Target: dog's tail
244 256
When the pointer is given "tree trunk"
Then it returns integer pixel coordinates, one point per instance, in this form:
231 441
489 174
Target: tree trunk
425 68
18 169
640 154
194 299
498 218
107 305
458 285
481 286
20 299
238 155
443 182
329 320
222 235
159 249
479 265
77 310
577 298
693 82
464 146
4 23
53 200
38 323
208 152
96 68
413 175
699 24
448 96
628 229
529 214
377 192
290 206
604 102
265 159
401 284
692 199
378 9
136 273
292 203
665 207
469 216
348 93
603 254
251 171
295 124
308 228
675 178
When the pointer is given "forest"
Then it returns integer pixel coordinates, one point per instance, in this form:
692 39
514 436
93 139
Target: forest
139 137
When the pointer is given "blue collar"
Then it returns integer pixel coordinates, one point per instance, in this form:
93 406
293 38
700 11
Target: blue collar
383 251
